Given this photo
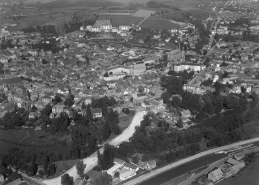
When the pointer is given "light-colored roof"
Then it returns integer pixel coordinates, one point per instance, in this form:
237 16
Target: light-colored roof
127 174
113 169
232 161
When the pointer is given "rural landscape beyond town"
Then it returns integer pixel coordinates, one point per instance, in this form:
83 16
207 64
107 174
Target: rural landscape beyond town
129 92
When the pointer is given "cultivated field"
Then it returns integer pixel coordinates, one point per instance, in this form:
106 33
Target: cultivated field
108 13
144 13
44 16
157 24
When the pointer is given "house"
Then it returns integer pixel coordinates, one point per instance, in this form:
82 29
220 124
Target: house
46 100
125 27
147 165
111 171
32 115
1 178
97 113
139 68
186 113
130 166
232 161
158 104
234 169
239 156
57 109
174 55
191 67
126 174
215 175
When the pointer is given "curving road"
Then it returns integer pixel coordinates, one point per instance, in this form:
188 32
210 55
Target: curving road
91 161
158 171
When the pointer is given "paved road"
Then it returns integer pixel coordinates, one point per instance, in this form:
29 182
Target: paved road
91 161
156 172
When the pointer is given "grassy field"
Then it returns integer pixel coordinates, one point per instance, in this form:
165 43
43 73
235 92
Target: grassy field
25 137
157 24
63 166
125 121
248 176
53 16
122 19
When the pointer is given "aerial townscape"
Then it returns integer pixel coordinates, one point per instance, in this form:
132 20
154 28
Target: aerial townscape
107 92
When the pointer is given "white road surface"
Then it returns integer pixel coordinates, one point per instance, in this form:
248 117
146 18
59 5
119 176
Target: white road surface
91 161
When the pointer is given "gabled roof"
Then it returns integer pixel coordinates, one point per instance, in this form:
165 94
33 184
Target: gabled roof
130 165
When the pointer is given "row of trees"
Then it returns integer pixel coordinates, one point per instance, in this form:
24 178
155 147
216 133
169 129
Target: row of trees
28 161
45 29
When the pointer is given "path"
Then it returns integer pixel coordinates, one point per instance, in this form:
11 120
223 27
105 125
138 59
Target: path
91 161
158 171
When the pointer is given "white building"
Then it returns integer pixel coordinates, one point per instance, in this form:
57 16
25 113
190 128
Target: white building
125 27
191 67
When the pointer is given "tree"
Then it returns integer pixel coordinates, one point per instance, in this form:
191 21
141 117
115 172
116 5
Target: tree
180 123
66 180
52 169
80 167
83 105
69 102
106 131
89 112
116 174
176 102
47 110
243 89
104 179
57 98
106 159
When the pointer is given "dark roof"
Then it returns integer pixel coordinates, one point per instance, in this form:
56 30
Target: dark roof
98 110
11 80
94 174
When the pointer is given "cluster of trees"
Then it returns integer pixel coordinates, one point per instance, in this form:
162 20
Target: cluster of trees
6 43
153 4
111 117
15 119
158 142
200 105
45 29
76 24
59 125
29 160
169 146
52 45
8 173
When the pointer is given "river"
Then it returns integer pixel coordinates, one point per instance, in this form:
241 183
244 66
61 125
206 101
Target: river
62 149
